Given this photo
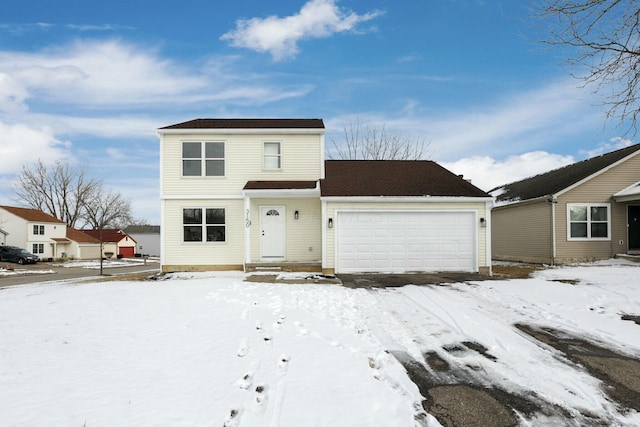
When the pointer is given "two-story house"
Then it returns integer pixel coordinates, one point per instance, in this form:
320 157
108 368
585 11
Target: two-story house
245 193
45 235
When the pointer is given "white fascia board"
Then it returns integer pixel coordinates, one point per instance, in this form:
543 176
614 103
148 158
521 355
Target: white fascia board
266 194
410 199
269 131
201 197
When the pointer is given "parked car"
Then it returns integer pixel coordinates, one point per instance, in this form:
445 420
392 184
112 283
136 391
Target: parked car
16 254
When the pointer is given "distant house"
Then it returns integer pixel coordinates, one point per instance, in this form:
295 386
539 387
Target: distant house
44 235
588 210
257 193
115 242
148 238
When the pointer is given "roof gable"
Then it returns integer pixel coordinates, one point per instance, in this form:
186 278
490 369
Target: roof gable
31 215
80 237
399 178
557 180
249 124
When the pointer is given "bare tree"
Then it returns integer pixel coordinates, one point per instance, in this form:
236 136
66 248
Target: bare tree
376 142
59 190
104 210
604 37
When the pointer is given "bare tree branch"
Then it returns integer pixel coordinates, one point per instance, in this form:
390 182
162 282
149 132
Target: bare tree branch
604 37
376 142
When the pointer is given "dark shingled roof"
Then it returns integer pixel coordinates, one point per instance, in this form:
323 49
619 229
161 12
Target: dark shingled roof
108 235
280 185
557 180
398 178
249 124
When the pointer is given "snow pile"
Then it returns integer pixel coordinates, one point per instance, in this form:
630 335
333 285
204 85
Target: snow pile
21 271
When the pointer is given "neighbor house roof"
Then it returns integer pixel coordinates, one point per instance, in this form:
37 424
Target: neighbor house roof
142 229
249 124
80 237
32 215
554 181
393 178
108 235
280 185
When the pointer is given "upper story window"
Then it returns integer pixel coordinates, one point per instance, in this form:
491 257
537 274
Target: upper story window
38 230
588 221
203 159
210 227
272 158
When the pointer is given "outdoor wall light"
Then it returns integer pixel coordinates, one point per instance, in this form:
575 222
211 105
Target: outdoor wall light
483 222
330 223
296 214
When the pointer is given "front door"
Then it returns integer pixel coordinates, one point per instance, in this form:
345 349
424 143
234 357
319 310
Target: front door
634 228
272 232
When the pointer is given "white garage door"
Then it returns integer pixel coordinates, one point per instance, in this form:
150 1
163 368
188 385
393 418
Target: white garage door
405 241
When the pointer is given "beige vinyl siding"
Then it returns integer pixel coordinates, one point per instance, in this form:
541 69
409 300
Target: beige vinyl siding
522 232
334 207
303 240
300 156
181 256
597 190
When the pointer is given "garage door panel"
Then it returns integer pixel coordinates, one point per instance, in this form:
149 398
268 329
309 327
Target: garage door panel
405 241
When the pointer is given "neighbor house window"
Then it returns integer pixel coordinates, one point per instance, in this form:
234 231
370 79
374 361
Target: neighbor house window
272 155
588 221
203 159
38 229
38 248
204 225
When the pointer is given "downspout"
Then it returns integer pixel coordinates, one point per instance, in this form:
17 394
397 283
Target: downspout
323 222
487 237
553 202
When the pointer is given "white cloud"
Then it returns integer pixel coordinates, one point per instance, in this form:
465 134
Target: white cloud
280 36
20 145
487 173
606 147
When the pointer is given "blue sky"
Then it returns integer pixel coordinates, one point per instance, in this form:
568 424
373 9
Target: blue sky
90 81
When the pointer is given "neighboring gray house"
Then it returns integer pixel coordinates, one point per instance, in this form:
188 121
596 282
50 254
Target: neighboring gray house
585 211
148 238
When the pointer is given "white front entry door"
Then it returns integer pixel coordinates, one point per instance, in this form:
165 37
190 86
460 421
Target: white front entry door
272 232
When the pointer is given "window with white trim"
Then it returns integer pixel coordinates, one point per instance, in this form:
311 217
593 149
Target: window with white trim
210 227
38 248
203 159
272 157
588 221
38 230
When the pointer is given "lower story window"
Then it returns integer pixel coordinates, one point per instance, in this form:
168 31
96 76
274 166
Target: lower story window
38 248
204 225
588 221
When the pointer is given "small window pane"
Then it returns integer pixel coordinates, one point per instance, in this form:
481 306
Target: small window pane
579 229
272 148
191 150
214 150
598 213
192 233
215 216
191 168
599 229
578 213
192 216
215 167
215 233
272 162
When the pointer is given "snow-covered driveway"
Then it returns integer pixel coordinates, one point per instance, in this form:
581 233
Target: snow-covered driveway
212 350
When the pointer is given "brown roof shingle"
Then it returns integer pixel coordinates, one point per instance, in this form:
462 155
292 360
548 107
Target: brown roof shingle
280 185
80 237
552 182
249 124
393 178
108 235
32 215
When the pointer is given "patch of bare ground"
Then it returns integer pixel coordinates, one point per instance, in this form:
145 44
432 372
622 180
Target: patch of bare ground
515 271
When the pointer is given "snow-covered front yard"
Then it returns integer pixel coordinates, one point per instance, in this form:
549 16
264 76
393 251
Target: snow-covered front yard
212 350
